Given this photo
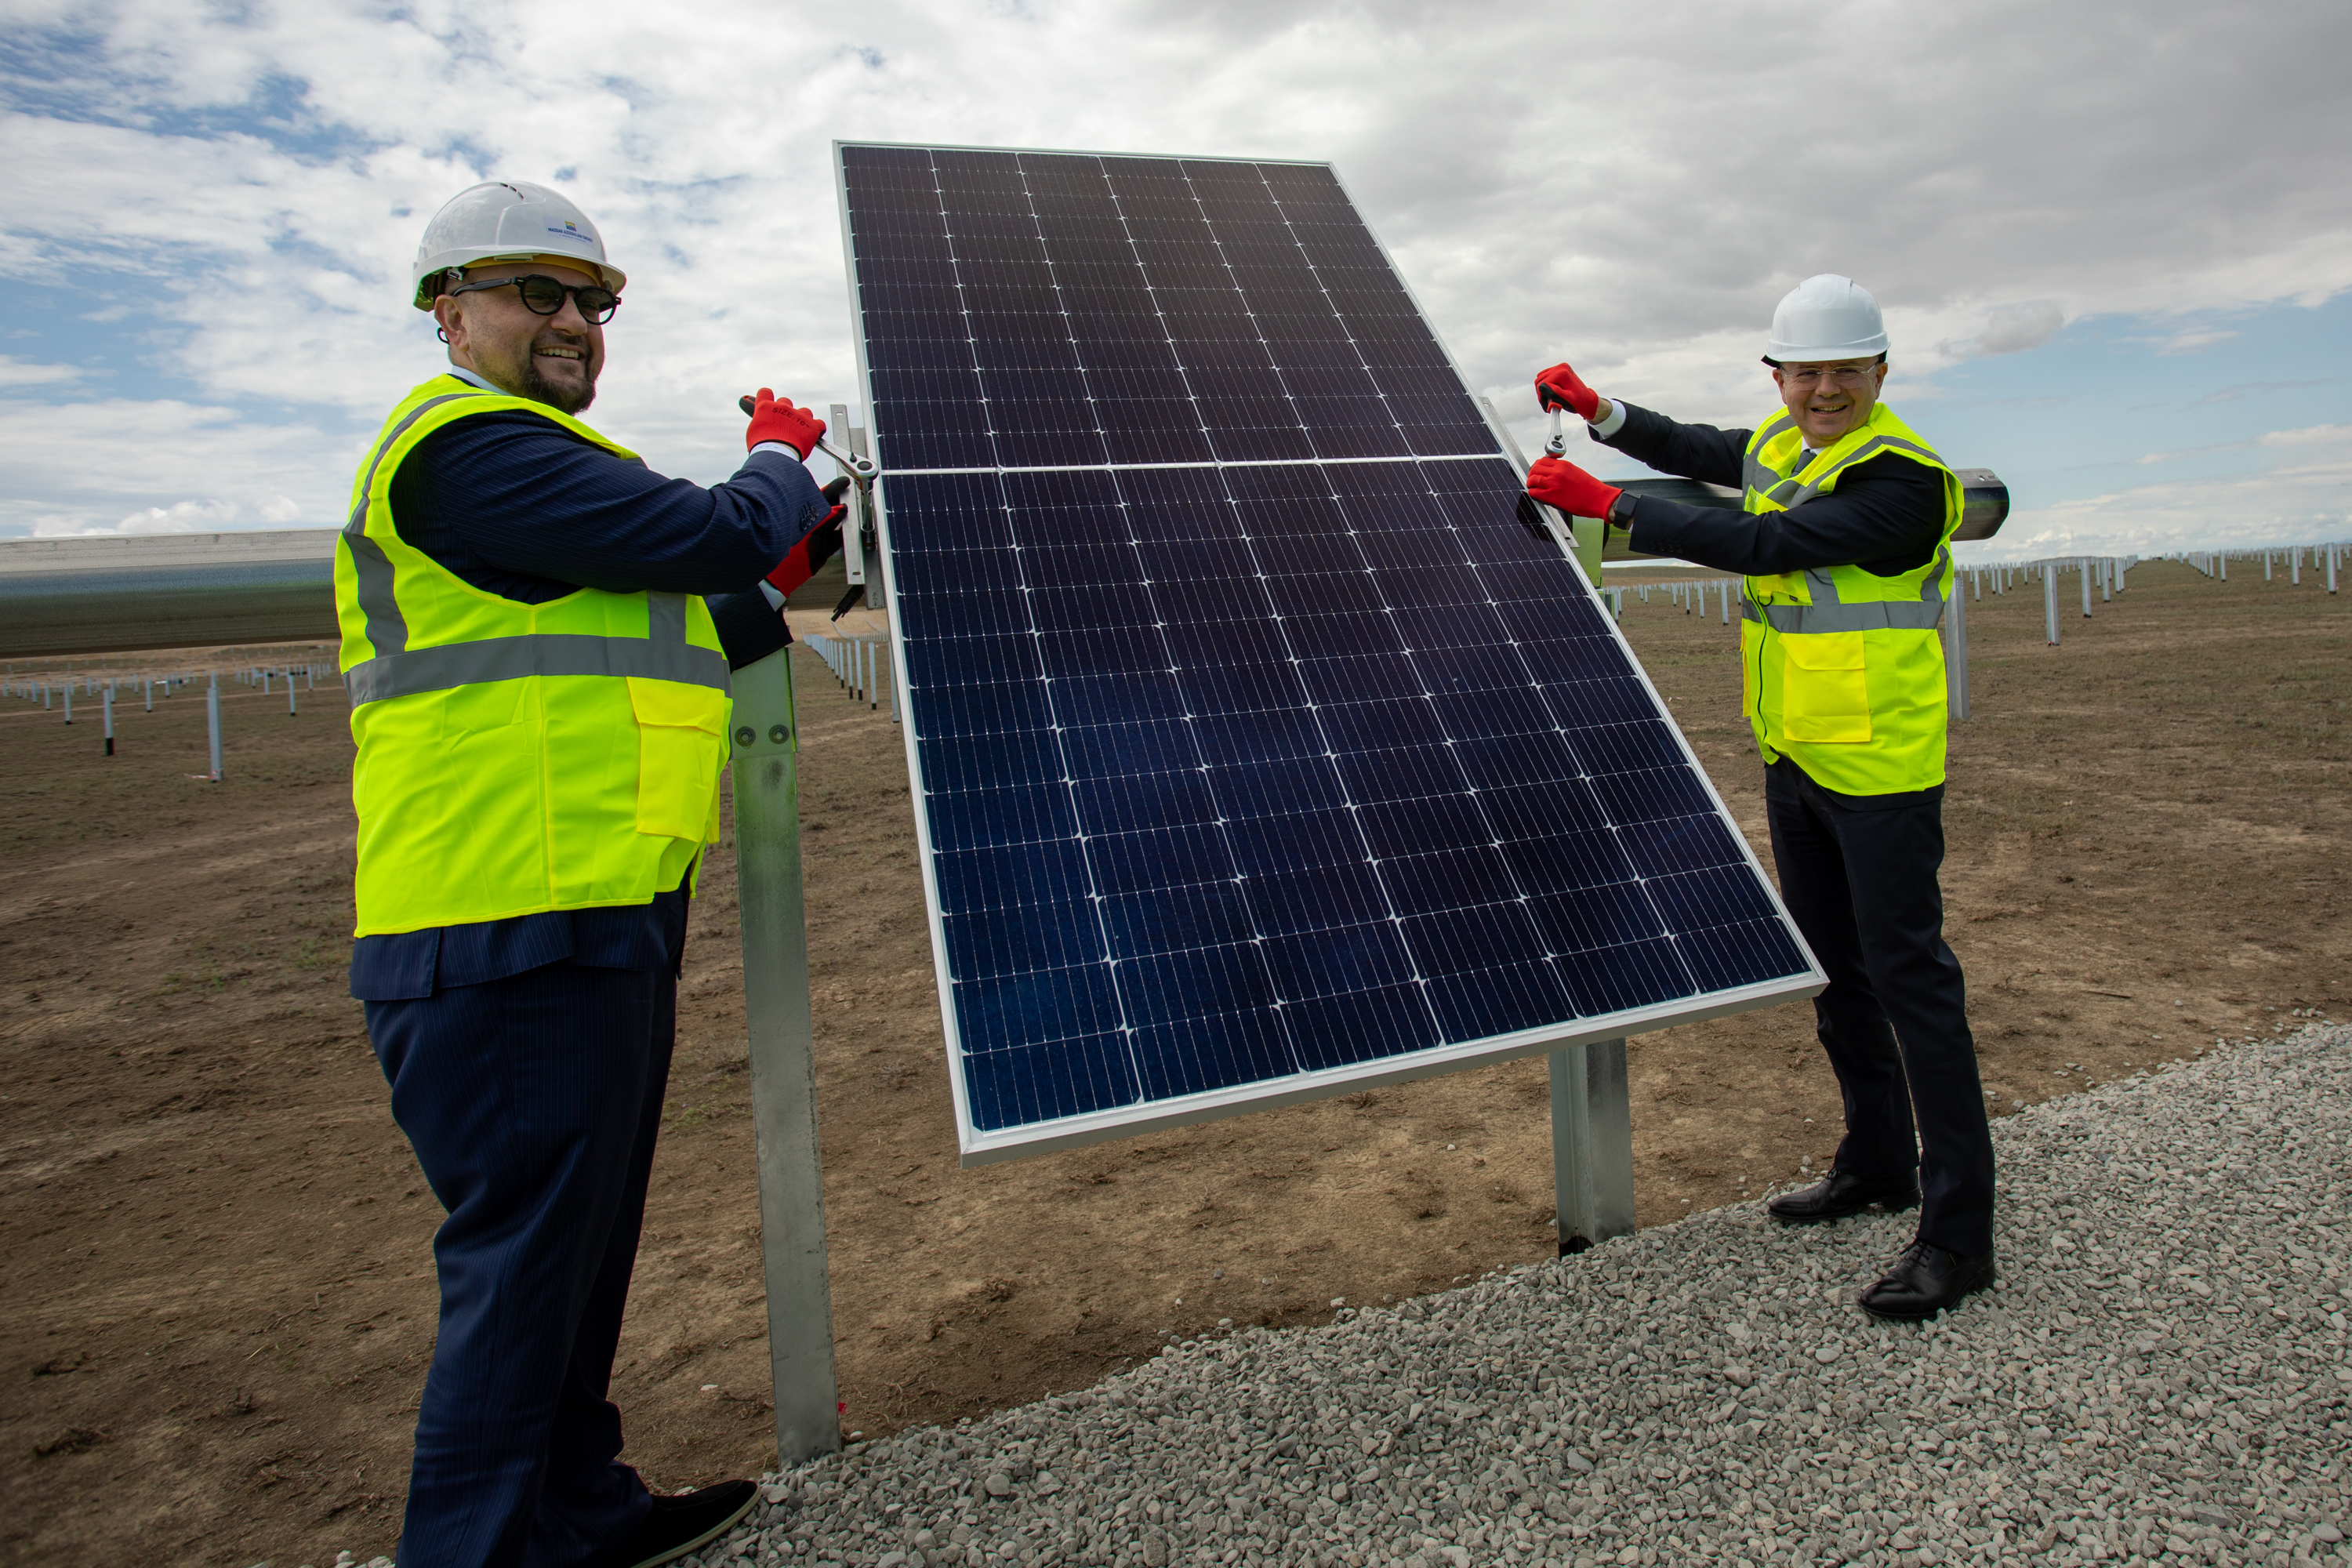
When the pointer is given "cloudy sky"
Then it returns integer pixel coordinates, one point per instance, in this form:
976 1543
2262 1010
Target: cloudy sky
2115 242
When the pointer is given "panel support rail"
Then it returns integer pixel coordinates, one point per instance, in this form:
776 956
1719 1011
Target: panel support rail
783 1062
1591 1144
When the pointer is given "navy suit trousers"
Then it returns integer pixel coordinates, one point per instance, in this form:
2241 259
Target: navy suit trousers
533 1102
1858 873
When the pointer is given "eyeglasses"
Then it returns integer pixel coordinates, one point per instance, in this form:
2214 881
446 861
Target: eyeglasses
1838 374
543 296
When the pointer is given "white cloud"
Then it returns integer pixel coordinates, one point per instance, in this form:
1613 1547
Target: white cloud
179 517
2010 329
1629 186
122 465
16 372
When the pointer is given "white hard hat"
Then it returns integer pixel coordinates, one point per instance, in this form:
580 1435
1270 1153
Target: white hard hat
1826 317
507 220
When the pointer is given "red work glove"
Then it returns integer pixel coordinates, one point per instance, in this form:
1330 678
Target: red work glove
817 547
1557 482
1560 387
775 418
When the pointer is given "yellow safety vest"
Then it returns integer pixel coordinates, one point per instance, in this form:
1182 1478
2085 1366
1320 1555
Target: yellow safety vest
515 758
1841 668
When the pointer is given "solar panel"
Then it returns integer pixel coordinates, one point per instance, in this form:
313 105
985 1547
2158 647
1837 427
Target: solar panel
1259 752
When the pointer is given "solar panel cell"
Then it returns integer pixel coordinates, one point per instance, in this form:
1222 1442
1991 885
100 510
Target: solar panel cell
1302 761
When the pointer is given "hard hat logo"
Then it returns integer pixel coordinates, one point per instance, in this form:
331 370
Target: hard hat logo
1826 317
505 220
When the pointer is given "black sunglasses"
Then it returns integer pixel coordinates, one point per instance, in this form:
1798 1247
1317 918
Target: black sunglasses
543 296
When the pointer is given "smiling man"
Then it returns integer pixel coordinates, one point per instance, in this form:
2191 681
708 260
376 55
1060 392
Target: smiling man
1845 545
538 632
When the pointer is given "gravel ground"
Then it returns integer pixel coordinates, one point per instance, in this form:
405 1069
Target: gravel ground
2160 1377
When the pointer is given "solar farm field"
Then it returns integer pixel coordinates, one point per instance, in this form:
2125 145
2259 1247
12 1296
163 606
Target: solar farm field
217 1243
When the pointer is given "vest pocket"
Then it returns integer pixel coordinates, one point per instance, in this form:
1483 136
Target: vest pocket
1825 692
681 740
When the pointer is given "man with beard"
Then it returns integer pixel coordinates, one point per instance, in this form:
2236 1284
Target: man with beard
538 632
1846 544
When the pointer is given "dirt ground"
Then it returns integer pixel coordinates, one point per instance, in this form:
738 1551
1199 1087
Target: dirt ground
219 1290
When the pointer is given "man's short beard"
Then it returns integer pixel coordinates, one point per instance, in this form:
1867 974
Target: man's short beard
538 389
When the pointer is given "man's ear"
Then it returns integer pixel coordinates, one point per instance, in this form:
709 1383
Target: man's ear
449 317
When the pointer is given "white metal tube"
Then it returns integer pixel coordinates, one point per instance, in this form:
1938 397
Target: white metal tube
2083 567
1955 655
212 722
106 700
2050 606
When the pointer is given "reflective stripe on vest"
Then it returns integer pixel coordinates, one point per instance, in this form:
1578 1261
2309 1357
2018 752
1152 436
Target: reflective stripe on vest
663 654
1827 613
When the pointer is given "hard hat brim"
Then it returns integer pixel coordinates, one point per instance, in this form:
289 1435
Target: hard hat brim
1790 354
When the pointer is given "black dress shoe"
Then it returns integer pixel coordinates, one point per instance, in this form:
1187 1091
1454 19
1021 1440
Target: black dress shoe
1838 1195
1925 1280
679 1524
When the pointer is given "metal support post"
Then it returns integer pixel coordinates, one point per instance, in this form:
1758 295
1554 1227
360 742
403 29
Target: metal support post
107 698
212 721
1955 655
2295 567
783 1062
2049 604
68 701
150 685
2332 551
2082 568
289 694
1591 1144
2221 566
